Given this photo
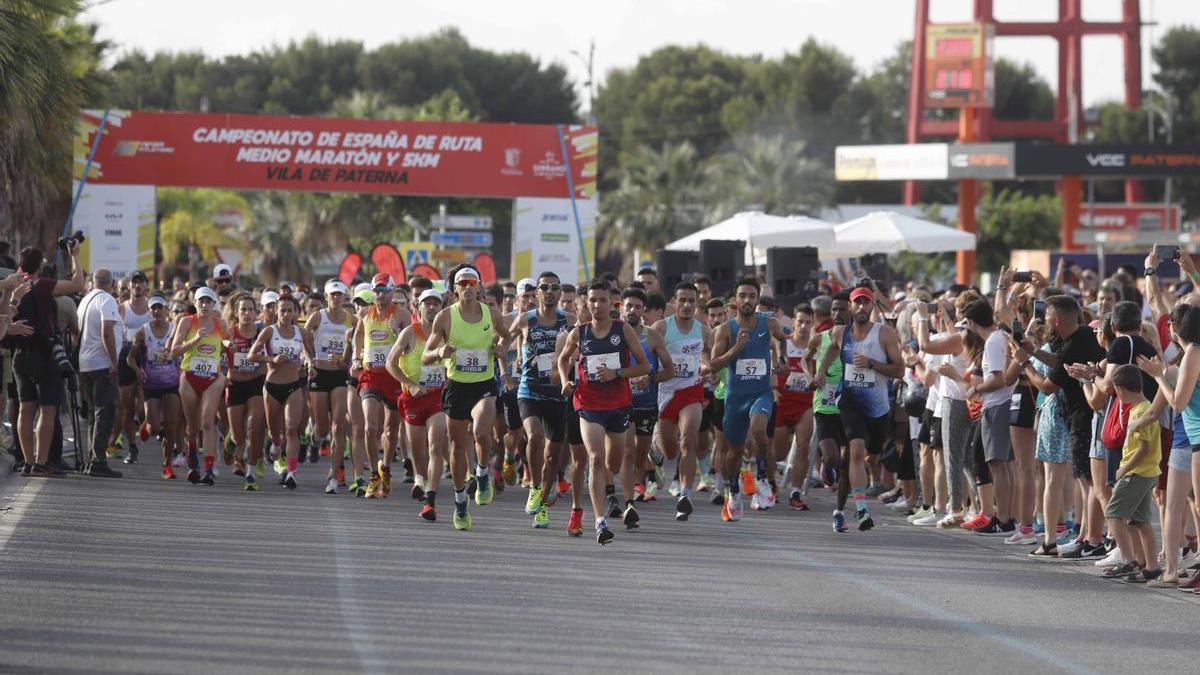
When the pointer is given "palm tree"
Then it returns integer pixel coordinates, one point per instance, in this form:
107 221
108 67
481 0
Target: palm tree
48 71
769 174
656 201
199 217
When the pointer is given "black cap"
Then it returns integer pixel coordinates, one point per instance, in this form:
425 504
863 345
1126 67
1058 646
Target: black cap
138 275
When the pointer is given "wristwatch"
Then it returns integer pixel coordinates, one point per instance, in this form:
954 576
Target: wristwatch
1150 272
619 375
870 364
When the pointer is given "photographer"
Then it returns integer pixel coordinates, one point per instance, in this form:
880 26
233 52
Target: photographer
37 372
98 318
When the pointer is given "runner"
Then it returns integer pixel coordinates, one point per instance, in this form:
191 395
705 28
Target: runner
463 337
284 347
869 353
379 391
749 403
508 425
644 390
421 400
244 396
579 455
327 393
539 400
712 422
828 313
197 339
364 301
680 398
603 397
158 375
135 313
794 411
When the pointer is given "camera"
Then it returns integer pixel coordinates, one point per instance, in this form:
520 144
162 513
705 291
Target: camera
61 359
1022 277
65 243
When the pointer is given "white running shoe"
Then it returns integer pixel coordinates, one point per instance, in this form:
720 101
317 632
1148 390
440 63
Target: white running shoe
900 504
1113 558
766 496
674 488
1019 537
1187 560
919 514
331 487
930 519
735 507
1069 547
755 504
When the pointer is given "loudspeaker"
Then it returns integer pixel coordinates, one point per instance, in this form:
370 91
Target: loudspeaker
875 266
675 267
722 261
793 274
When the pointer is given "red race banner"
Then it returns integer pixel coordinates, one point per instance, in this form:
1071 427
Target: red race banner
427 271
487 268
349 267
317 154
388 260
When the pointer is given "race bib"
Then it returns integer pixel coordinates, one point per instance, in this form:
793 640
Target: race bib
859 377
433 377
377 355
797 382
241 362
686 367
829 394
545 364
204 366
640 385
754 369
612 361
130 334
332 348
471 360
1016 403
289 352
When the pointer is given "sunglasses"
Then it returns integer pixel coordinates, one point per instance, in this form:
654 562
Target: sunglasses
549 287
468 282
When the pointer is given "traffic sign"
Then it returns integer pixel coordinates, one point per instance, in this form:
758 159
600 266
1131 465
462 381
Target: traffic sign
462 239
461 222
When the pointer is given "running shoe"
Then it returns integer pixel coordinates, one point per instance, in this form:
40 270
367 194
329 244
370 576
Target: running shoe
673 488
683 508
1024 536
651 491
541 519
510 470
766 496
144 432
498 481
748 482
168 473
193 476
418 493
385 480
718 497
324 447
228 448
1113 558
483 490
428 513
930 519
462 519
289 481
132 457
209 478
409 475
250 485
639 492
280 465
950 520
1080 550
989 526
331 487
551 500
564 488
340 476
239 466
734 505
875 490
603 534
900 504
472 484
891 495
705 484
630 517
829 475
839 522
534 503
373 490
976 521
797 503
1188 558
614 507
755 504
918 514
865 522
1065 537
260 469
575 523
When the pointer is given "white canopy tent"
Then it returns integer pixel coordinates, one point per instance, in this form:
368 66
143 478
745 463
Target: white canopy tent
890 232
760 232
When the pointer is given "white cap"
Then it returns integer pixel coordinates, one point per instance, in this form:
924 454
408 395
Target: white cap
287 284
222 270
269 297
962 323
335 286
524 284
429 293
466 273
364 286
205 292
158 300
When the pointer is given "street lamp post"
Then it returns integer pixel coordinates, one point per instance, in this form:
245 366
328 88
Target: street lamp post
588 63
1168 118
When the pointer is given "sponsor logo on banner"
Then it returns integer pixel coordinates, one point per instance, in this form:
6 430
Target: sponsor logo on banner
922 161
549 167
556 237
131 148
981 160
512 162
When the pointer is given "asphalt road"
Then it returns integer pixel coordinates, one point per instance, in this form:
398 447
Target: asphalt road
139 575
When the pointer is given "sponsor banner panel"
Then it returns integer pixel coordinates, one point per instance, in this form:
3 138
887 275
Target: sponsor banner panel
545 239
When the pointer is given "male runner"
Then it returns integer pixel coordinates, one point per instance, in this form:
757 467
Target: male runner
603 396
680 399
135 313
539 400
793 412
422 402
378 390
749 400
644 390
463 337
870 352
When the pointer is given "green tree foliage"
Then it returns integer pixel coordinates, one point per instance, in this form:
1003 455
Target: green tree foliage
657 199
1009 220
48 71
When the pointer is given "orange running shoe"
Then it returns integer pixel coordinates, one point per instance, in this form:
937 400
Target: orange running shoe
340 475
168 473
575 523
725 510
385 481
428 513
748 484
144 432
324 448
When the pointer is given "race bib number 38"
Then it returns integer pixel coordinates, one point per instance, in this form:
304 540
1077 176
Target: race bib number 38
471 360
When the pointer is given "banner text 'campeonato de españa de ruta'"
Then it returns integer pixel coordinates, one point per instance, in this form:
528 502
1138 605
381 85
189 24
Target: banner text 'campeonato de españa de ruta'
316 154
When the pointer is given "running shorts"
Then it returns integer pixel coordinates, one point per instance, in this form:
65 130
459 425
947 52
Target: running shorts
550 412
459 398
739 409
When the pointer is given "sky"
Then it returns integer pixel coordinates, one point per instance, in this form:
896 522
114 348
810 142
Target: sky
622 30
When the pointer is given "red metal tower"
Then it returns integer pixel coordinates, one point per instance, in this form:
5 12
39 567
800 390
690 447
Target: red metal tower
978 124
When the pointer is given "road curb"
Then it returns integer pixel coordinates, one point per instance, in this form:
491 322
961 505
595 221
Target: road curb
6 464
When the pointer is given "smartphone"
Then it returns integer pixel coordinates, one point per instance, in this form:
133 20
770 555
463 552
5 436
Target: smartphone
1039 310
1018 331
933 308
1022 277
